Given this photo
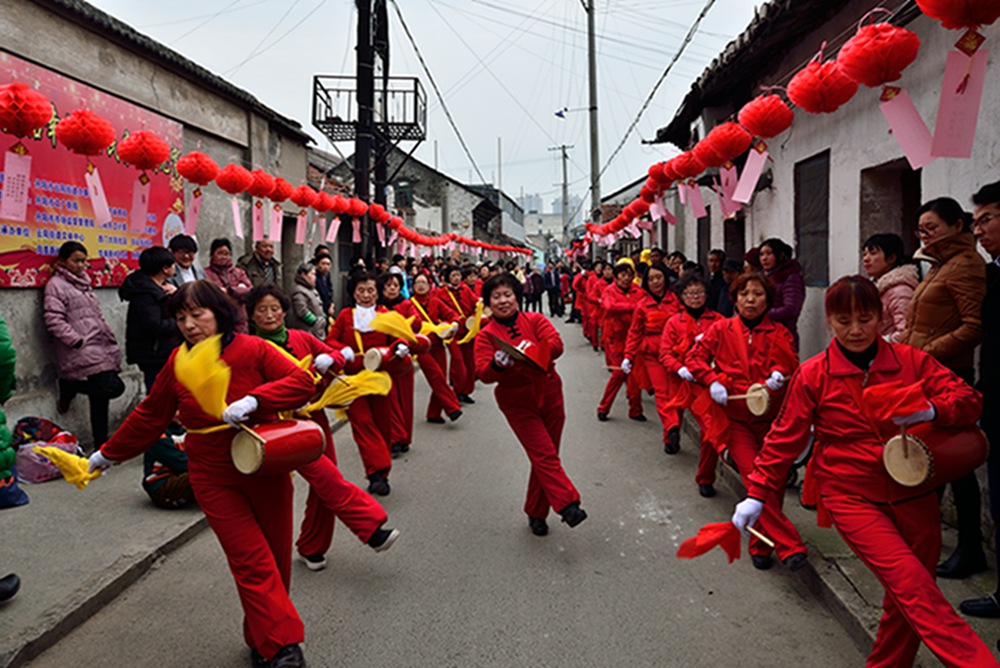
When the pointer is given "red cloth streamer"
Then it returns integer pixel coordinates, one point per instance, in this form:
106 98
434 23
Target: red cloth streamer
878 54
262 183
85 132
234 179
958 14
896 399
197 167
766 116
282 190
721 534
821 88
143 150
23 109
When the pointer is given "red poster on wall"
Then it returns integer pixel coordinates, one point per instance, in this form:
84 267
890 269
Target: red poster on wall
60 205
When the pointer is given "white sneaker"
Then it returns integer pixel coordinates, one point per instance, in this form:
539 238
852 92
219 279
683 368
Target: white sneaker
314 562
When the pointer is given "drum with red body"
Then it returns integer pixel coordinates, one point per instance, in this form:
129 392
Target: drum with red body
288 445
933 456
421 346
383 358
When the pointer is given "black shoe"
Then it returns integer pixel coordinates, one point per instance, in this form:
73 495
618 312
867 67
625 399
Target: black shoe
383 539
981 607
289 656
707 491
762 562
573 514
258 661
603 417
314 562
404 447
66 394
673 443
395 450
538 527
796 561
437 420
962 563
9 586
637 418
466 399
378 484
454 415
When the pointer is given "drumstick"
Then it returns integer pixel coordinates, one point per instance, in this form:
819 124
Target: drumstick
906 442
612 368
342 379
260 439
740 396
756 534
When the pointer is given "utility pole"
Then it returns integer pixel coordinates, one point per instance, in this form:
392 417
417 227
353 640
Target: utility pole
365 73
595 158
565 187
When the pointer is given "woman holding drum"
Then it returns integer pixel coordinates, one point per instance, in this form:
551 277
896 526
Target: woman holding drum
434 364
330 495
750 357
895 530
251 515
390 287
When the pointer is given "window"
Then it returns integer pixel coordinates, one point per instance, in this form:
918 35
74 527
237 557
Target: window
812 218
734 229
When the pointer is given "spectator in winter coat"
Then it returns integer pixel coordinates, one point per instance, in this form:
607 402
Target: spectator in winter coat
150 333
730 270
87 354
324 286
185 250
789 288
716 281
307 307
233 280
895 276
260 265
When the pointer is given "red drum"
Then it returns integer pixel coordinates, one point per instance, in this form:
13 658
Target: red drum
421 346
933 456
383 358
288 445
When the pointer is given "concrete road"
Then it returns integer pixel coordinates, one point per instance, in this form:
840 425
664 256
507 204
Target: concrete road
468 585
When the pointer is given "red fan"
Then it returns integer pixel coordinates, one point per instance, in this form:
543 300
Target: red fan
323 203
261 184
282 190
957 14
714 534
766 116
234 179
197 167
878 54
23 109
303 196
143 150
85 132
821 88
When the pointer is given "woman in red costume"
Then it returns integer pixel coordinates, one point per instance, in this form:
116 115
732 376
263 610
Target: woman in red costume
370 416
531 399
459 297
596 284
894 530
434 311
251 515
390 287
734 354
619 302
330 496
680 334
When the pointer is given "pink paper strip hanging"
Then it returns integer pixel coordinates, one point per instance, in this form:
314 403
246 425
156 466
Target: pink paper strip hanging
909 129
380 230
193 213
958 113
392 238
300 227
669 217
331 233
140 204
16 178
644 225
355 230
656 208
697 203
682 193
728 180
756 159
274 225
257 220
98 197
237 220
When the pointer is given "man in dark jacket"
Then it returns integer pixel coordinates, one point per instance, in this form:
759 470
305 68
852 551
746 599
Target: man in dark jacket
716 282
260 265
552 287
150 333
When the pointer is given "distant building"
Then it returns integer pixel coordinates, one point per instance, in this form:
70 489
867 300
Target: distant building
530 203
575 208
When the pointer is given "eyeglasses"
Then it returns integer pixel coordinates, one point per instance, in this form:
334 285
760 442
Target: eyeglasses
984 220
694 293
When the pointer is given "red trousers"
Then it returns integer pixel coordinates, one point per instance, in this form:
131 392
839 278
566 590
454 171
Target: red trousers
468 385
900 544
745 440
330 497
401 402
708 458
632 389
370 434
537 415
457 371
442 396
252 518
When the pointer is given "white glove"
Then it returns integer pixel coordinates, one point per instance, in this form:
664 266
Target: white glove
323 362
502 359
776 381
926 415
699 337
685 374
347 353
98 462
402 350
626 366
746 514
719 393
239 410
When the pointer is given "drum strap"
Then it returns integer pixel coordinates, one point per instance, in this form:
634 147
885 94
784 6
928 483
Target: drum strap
455 302
357 339
423 312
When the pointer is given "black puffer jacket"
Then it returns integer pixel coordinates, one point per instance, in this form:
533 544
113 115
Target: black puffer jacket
150 332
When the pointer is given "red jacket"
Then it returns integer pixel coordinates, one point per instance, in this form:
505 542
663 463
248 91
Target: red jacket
580 292
462 301
595 288
648 324
405 308
618 307
533 327
678 337
847 454
342 333
742 358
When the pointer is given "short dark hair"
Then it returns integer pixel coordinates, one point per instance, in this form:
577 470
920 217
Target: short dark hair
950 211
154 260
267 290
852 293
889 244
504 278
397 257
219 243
446 272
183 242
780 249
741 281
205 294
384 278
677 255
660 267
692 278
322 249
357 277
717 251
69 248
656 249
988 194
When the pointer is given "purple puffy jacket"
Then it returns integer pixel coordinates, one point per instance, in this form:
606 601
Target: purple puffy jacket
73 317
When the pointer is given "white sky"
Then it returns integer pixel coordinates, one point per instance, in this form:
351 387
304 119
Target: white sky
503 66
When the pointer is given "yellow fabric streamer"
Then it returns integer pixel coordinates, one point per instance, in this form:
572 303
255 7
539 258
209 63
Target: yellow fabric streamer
200 370
72 467
394 324
476 324
340 394
440 330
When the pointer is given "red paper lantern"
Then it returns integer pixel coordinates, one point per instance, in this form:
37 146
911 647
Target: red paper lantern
356 207
640 208
143 150
958 14
324 201
378 213
395 223
821 88
339 205
85 132
234 179
647 195
725 142
670 170
303 196
197 167
23 109
766 116
261 184
687 165
282 190
657 174
878 54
